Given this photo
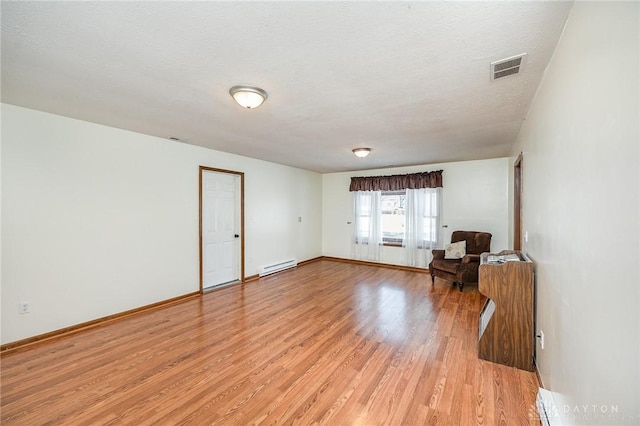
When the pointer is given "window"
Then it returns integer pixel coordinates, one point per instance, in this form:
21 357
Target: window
392 205
431 227
367 205
398 210
392 209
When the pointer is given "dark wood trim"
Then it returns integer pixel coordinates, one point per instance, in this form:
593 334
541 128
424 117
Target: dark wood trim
517 203
200 229
382 265
251 278
18 344
241 174
535 370
313 259
387 244
398 245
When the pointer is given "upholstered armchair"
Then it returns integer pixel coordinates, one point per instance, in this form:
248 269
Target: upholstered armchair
464 268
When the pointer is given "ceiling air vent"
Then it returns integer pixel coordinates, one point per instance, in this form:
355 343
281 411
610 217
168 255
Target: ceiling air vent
508 66
175 139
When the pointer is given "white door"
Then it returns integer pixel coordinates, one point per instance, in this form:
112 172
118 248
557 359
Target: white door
220 231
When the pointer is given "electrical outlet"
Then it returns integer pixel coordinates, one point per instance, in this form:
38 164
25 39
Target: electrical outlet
541 338
24 307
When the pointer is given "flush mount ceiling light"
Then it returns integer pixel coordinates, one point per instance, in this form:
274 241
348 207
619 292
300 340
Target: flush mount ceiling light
361 152
248 96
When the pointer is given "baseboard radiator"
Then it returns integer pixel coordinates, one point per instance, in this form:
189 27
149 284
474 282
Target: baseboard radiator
547 410
277 267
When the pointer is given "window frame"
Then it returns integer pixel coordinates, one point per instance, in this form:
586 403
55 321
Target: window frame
388 241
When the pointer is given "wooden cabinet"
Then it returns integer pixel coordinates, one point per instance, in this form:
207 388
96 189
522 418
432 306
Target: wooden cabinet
506 333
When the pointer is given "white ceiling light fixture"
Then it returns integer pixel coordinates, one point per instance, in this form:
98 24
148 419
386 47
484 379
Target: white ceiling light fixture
361 152
248 96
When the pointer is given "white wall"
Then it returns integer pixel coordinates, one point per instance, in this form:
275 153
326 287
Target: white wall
98 220
475 198
581 190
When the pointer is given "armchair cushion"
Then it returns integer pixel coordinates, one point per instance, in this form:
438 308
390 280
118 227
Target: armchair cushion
447 265
455 250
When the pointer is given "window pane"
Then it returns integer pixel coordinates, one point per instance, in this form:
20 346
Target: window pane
363 227
393 205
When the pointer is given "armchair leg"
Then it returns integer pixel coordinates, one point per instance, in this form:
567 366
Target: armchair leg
460 285
433 279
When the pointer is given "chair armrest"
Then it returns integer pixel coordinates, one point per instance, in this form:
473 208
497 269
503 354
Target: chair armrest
437 254
471 258
468 272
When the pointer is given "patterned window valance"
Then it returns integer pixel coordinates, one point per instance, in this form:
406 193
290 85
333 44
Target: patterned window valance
397 182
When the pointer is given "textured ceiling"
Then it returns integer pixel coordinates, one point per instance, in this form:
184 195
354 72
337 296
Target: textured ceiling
411 80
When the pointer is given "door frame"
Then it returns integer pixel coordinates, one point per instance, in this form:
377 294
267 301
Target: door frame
517 203
203 169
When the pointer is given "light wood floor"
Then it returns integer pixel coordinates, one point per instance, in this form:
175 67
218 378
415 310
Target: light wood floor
329 343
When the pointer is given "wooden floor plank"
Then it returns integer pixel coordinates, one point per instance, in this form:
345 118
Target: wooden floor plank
327 343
